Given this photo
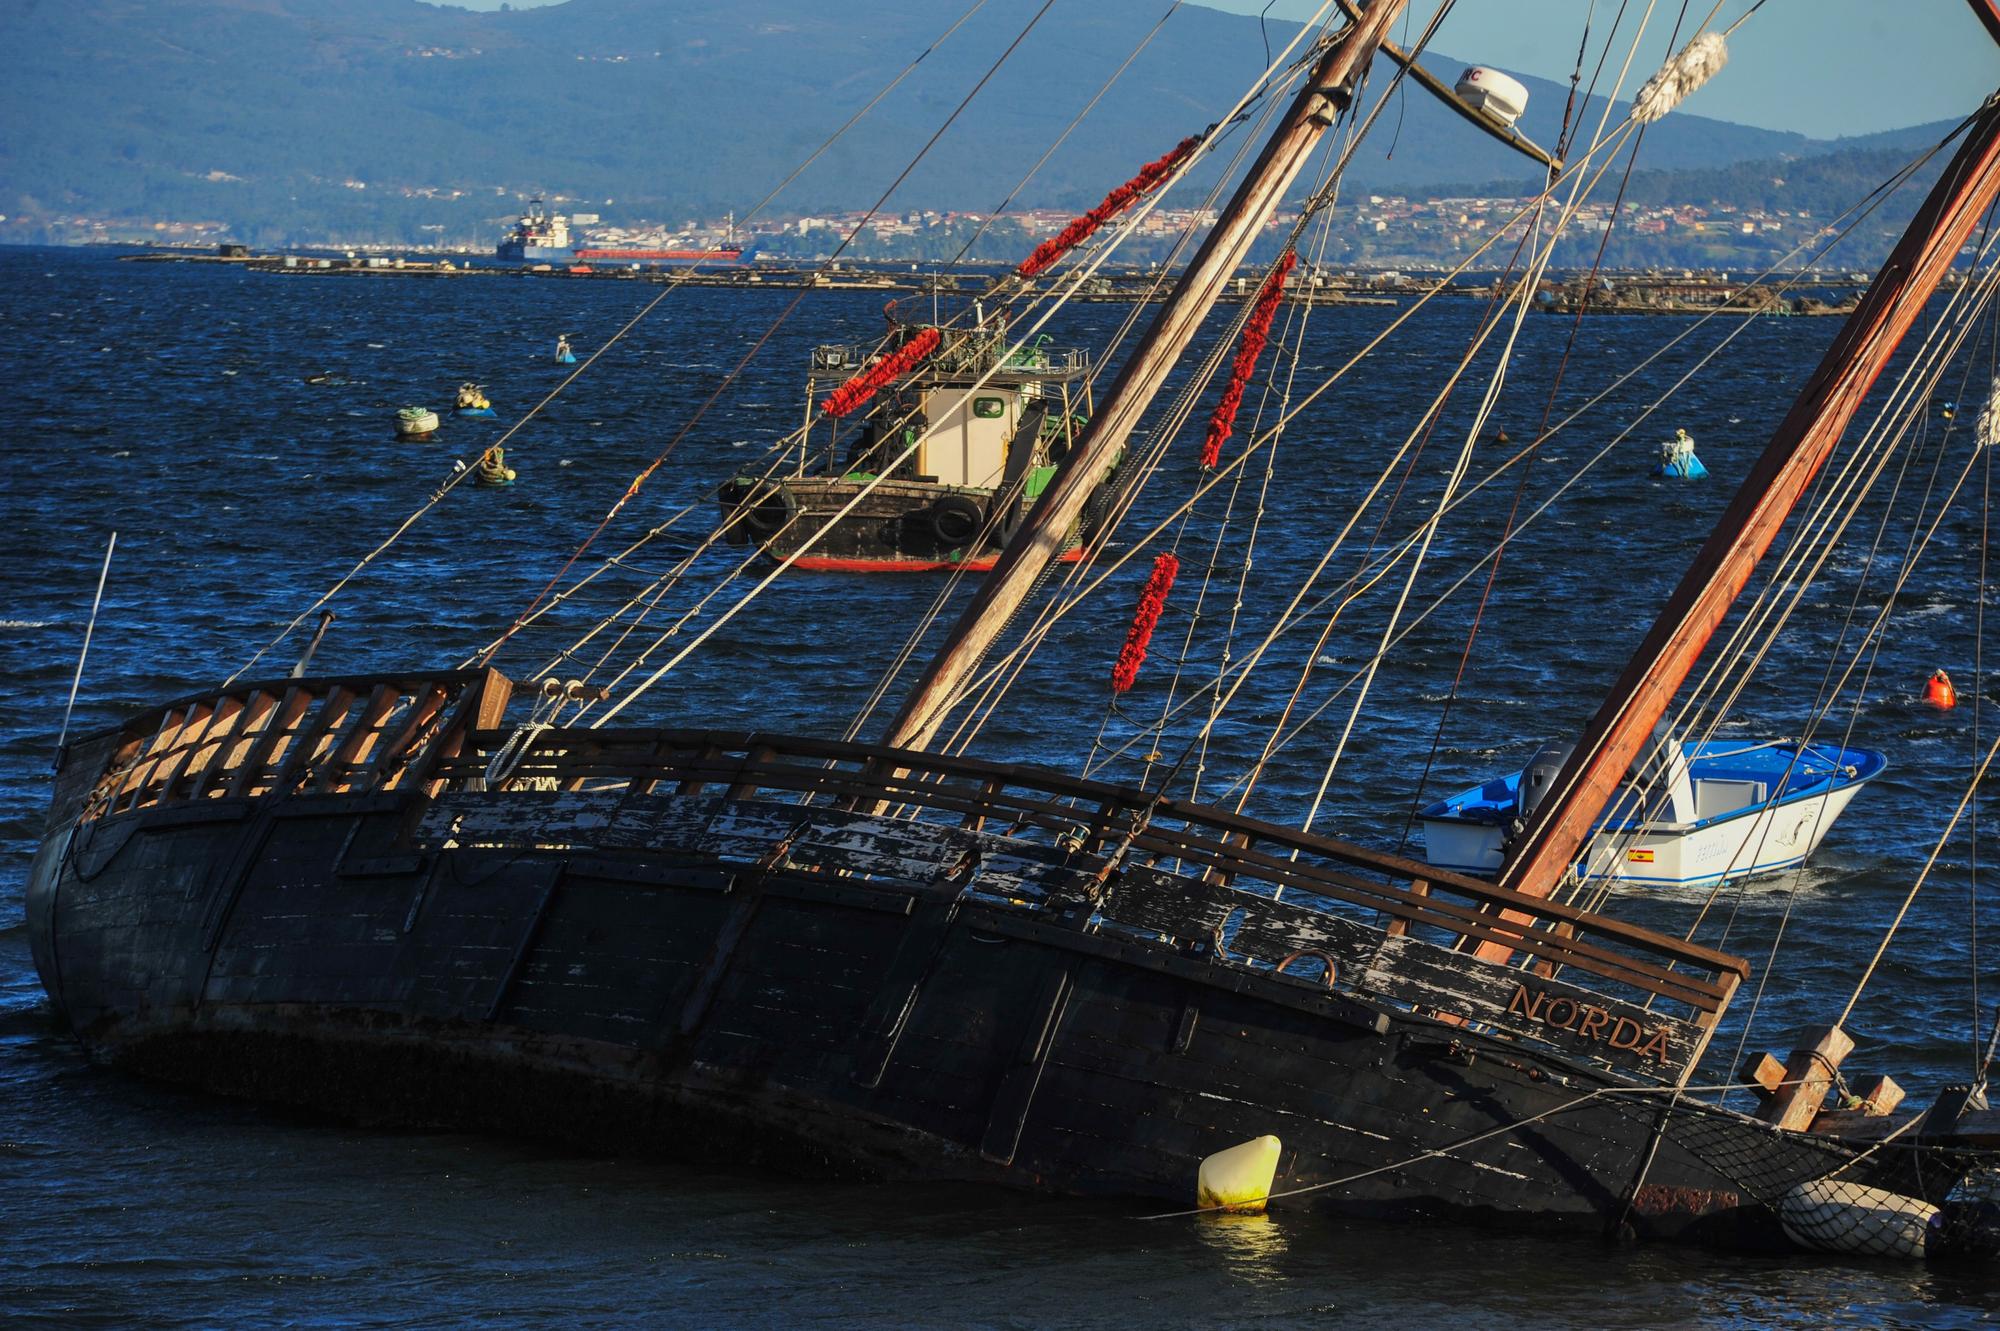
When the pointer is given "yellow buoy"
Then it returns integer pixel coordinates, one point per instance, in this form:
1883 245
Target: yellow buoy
1238 1180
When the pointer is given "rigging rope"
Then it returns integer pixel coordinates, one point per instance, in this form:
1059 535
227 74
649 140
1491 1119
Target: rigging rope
673 285
783 316
1152 450
1868 972
996 212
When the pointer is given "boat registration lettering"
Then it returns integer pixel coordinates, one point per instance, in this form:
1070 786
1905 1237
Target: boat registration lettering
1639 856
1590 1021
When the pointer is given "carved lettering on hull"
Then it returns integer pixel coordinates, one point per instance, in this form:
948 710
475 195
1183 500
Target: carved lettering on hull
1587 1020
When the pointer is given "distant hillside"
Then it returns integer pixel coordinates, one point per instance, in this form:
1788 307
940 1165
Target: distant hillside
301 120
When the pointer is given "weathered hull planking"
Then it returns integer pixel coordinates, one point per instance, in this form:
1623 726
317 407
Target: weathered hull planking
531 992
663 957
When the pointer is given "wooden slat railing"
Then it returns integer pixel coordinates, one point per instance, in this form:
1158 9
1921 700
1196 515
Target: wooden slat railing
333 735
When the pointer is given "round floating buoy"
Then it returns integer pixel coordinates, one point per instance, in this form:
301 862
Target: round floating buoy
492 469
1238 1180
1677 458
416 423
1939 693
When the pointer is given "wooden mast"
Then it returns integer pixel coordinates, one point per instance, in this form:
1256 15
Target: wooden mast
1559 828
1311 113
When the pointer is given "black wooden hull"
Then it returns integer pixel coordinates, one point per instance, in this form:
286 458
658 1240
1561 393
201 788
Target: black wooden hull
297 951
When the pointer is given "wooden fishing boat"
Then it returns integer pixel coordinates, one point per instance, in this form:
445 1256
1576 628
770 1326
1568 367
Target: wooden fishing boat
1727 811
937 474
414 898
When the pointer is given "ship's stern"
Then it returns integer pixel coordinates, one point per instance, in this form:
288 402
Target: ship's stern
79 773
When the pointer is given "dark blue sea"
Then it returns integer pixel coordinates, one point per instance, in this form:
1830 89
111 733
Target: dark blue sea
234 429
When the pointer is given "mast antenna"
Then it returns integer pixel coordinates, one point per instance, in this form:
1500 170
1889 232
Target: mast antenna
77 682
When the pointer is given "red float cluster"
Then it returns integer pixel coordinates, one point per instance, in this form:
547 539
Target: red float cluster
1116 202
1152 601
865 384
1255 333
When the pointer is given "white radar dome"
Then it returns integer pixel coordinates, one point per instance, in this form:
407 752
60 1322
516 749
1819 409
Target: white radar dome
1498 95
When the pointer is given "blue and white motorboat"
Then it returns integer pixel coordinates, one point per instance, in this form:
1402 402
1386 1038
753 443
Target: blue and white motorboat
1721 811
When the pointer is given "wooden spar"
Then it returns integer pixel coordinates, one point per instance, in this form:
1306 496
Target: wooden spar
1040 539
1989 14
1624 723
1496 130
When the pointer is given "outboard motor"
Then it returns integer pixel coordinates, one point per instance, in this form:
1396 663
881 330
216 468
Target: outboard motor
1661 779
1538 778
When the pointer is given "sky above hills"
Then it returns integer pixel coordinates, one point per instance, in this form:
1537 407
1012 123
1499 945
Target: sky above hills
1823 68
1819 67
374 118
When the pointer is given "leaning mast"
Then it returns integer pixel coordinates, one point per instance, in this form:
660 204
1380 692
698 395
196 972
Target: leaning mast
1558 829
1313 111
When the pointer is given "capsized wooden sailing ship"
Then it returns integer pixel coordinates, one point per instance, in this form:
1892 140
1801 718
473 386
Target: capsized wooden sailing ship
412 898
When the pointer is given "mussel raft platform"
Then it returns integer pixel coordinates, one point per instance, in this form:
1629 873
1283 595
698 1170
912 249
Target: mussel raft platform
366 897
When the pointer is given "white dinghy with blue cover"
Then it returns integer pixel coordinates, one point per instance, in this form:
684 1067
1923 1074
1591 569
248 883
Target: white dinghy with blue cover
1720 811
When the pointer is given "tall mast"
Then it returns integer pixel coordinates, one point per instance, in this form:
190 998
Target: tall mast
1312 112
1558 829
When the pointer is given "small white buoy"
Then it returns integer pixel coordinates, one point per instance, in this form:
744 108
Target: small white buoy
1677 458
1238 1180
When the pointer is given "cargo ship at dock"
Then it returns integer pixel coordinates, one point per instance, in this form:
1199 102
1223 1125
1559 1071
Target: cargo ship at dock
541 236
625 254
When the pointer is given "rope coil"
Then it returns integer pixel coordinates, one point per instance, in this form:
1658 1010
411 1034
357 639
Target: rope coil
1117 201
1693 65
1255 333
1152 601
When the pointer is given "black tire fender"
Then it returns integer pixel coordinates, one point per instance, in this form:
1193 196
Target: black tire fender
956 519
767 513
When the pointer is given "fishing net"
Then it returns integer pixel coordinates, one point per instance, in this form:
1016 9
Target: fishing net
1834 1216
1896 1199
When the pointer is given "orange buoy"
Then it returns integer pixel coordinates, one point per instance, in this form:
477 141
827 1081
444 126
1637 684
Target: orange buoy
1939 693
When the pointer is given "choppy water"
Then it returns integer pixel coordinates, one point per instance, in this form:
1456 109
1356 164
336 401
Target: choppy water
174 403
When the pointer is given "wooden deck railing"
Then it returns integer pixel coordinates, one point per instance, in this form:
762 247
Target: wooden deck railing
1154 867
332 735
1090 823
